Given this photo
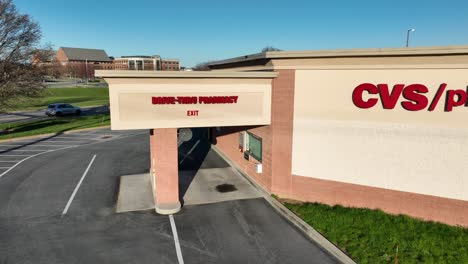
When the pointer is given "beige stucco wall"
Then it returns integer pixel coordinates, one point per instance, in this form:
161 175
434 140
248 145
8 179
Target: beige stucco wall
132 108
422 152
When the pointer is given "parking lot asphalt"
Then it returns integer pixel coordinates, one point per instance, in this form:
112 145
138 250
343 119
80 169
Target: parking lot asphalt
59 207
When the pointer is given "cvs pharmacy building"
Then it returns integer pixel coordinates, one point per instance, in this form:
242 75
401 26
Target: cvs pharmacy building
373 128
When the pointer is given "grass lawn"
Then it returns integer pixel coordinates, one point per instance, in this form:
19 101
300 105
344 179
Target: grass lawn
52 125
75 96
372 236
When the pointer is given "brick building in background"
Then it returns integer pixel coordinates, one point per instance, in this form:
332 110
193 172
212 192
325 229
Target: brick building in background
97 57
81 63
170 65
146 63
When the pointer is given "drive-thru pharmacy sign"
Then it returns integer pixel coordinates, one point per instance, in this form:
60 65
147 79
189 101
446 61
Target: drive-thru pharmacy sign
194 99
415 98
165 100
188 99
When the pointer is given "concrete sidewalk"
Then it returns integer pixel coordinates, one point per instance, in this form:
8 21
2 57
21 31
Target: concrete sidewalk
196 187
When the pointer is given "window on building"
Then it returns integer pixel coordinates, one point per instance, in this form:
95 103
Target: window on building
131 65
254 144
139 65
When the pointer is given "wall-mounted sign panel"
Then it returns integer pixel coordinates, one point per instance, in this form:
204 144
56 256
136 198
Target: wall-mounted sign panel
433 97
145 103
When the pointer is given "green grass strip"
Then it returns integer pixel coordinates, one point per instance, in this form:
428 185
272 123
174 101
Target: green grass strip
75 96
51 125
372 236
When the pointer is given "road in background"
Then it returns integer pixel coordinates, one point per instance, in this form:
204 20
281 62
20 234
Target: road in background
35 115
74 84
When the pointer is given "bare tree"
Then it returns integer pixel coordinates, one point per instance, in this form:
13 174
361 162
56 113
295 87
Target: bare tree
19 38
269 48
202 66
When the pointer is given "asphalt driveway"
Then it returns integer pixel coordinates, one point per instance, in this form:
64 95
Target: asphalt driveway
59 207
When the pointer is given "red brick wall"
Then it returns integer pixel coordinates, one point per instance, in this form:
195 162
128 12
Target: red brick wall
119 66
227 140
169 65
149 66
282 116
164 166
61 56
276 139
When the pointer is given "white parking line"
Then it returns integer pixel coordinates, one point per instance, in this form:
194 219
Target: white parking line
26 150
34 145
21 161
65 141
176 240
78 186
96 132
80 137
44 151
51 145
190 151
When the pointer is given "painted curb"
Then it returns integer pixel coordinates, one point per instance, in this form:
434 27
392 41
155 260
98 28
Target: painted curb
167 208
51 134
309 231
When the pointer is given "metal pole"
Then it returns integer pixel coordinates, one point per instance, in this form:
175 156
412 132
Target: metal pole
407 38
86 61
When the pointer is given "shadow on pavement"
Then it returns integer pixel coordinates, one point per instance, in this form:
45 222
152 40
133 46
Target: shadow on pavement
191 155
196 154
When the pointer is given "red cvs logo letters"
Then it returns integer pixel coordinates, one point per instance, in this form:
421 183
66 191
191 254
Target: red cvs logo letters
414 95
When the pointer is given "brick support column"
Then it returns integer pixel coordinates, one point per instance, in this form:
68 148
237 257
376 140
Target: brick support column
282 115
164 170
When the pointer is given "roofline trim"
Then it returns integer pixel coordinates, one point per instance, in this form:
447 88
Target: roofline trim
376 52
184 74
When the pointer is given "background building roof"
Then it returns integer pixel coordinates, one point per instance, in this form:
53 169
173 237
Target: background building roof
138 56
86 54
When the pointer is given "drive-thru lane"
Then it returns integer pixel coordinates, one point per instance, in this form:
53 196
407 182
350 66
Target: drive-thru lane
33 228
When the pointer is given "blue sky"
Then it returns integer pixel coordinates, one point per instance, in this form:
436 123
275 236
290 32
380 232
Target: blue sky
197 30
